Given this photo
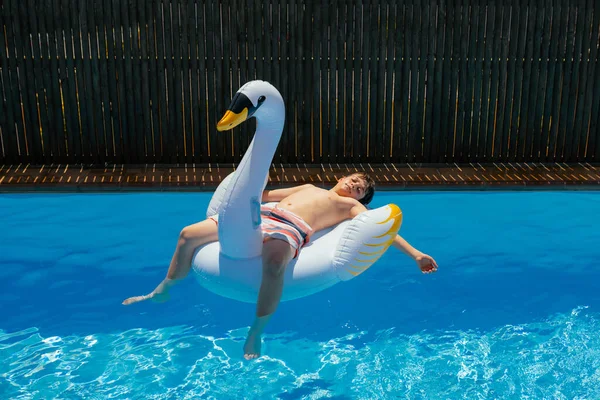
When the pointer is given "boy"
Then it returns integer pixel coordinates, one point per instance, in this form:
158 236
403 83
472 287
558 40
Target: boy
287 226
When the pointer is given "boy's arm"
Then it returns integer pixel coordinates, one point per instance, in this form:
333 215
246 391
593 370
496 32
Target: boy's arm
425 262
280 194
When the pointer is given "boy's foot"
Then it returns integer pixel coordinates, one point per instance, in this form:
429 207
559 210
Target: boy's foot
158 295
155 297
252 346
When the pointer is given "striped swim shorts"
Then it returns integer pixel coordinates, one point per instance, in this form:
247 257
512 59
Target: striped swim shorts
281 224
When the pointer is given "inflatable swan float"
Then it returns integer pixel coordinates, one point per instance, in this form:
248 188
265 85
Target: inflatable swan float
232 267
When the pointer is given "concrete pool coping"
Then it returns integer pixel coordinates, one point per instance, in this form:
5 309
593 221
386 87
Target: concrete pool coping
206 177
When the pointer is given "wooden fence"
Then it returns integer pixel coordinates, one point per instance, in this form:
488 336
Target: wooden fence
431 81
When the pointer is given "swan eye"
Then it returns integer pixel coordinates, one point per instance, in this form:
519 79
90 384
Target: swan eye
261 99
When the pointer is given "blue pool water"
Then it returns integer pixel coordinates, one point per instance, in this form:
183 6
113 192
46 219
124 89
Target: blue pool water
514 311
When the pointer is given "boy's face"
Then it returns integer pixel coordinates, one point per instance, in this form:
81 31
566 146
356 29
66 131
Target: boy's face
351 186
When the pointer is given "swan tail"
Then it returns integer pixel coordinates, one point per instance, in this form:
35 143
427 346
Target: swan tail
365 240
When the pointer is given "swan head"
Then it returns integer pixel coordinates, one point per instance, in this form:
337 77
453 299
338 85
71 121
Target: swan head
257 99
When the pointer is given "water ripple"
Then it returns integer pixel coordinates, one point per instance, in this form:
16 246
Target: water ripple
555 358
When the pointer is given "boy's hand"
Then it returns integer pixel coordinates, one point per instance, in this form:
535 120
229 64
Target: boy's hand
426 263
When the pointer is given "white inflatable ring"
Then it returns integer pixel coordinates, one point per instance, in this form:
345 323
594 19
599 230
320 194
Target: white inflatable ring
232 267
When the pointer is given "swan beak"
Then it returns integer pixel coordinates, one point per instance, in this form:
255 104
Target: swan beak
230 120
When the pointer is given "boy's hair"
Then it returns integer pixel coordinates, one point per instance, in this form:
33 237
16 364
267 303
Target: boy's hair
369 187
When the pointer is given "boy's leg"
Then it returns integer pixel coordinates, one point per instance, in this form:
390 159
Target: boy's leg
276 255
190 238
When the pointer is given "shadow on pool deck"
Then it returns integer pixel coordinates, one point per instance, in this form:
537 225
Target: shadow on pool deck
206 177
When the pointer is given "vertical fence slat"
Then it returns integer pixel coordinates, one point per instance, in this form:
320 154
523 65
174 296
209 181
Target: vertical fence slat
143 106
331 143
580 127
552 79
567 101
527 73
377 84
452 116
7 118
559 60
535 89
26 84
436 81
571 140
203 138
446 131
462 119
358 48
518 82
389 39
493 48
428 130
102 13
92 81
223 79
591 50
538 128
502 103
486 80
184 74
83 113
593 94
42 78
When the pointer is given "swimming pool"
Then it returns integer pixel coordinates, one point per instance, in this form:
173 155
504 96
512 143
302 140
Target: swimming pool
512 313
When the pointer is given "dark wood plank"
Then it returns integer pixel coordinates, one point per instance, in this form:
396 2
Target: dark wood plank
485 82
464 96
222 83
26 82
470 132
178 84
580 127
549 62
454 66
378 84
135 80
567 101
533 119
187 52
330 142
593 96
518 91
357 66
538 132
560 60
344 137
93 81
9 99
67 80
214 103
414 124
42 77
389 38
446 97
496 16
405 85
122 132
398 32
102 10
429 132
316 40
194 103
511 12
83 102
142 63
503 103
203 100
